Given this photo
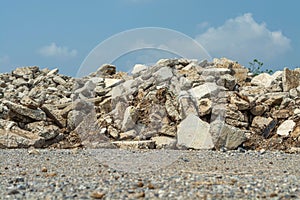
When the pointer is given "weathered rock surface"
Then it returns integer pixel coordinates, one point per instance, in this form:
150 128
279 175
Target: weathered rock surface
176 103
194 133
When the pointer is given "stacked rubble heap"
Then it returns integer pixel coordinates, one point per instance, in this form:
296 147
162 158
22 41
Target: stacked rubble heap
175 104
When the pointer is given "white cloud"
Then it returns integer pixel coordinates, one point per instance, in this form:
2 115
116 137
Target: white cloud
243 39
53 50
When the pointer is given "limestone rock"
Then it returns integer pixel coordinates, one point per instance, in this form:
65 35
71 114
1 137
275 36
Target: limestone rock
138 68
290 79
130 118
36 114
194 133
286 128
263 125
106 70
263 80
226 136
204 91
205 107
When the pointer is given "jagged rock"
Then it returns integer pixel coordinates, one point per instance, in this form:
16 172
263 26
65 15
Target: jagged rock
128 135
106 70
29 103
129 119
286 128
263 79
193 133
113 132
18 138
204 91
163 74
171 109
254 91
290 79
26 72
163 142
227 81
263 125
272 99
205 107
226 136
259 109
242 104
281 114
54 115
240 73
138 68
45 131
187 105
7 125
36 114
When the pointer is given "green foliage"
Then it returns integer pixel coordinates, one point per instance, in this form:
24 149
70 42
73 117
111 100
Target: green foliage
255 68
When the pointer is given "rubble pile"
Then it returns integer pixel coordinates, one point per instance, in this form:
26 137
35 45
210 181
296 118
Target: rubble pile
175 104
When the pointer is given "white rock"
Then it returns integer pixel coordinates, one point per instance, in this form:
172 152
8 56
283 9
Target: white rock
286 128
263 79
138 68
203 91
194 133
130 118
110 82
163 74
297 111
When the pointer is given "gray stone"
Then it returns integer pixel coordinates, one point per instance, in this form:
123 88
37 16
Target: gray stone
187 105
193 133
129 119
18 138
54 115
242 104
290 79
36 114
226 136
163 74
216 72
59 80
6 124
172 110
227 81
204 91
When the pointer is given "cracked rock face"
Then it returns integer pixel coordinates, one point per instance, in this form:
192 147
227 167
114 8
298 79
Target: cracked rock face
176 103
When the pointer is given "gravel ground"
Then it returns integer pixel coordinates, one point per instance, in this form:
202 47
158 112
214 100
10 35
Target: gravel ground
120 174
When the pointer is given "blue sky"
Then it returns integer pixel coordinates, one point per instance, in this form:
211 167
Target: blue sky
62 33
